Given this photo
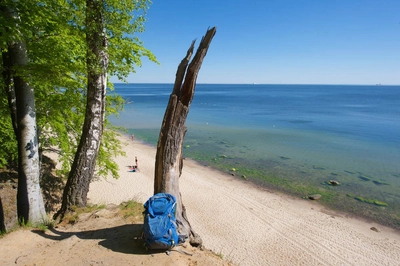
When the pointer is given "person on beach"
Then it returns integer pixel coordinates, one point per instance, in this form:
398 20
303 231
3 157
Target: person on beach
135 167
136 164
132 137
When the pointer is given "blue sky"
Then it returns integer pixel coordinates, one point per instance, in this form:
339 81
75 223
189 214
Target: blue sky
276 41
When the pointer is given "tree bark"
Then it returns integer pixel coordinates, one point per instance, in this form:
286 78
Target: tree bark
169 163
77 187
30 205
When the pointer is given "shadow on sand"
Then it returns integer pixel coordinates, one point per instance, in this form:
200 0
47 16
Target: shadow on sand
123 239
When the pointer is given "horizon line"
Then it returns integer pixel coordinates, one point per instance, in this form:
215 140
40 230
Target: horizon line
213 83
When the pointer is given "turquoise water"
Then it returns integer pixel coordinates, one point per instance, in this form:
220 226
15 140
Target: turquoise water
294 138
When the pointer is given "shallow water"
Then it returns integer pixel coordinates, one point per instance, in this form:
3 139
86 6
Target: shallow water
290 137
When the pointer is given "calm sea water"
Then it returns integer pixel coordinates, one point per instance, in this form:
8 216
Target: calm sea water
294 138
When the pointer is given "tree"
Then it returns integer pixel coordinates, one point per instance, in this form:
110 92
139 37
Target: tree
55 36
100 25
56 44
30 205
8 116
52 43
77 187
169 163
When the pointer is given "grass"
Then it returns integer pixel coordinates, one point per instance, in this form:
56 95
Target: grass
45 225
127 209
42 226
131 209
72 217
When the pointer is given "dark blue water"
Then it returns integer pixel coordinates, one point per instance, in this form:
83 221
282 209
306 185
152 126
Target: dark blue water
300 133
370 112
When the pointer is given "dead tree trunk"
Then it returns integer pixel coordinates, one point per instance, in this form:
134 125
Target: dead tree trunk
169 162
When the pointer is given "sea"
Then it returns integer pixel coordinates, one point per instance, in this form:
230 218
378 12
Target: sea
338 141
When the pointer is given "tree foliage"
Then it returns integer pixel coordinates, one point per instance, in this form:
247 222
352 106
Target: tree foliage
55 33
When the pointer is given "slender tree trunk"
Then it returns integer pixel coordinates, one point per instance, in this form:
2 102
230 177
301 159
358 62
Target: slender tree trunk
77 187
8 76
169 163
30 205
9 88
2 219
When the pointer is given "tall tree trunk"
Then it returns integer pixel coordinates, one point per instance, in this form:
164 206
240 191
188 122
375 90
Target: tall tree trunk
30 205
169 163
9 88
77 187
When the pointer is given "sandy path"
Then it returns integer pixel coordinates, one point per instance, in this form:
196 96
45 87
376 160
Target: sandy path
251 226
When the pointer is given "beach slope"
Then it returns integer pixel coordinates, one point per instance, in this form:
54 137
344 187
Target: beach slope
249 225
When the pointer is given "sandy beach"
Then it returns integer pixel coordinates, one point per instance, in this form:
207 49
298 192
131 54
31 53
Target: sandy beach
249 225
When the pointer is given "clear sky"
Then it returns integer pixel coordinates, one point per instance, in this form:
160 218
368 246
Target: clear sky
276 41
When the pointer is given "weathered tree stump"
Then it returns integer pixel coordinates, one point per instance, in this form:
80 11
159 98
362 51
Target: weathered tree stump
169 163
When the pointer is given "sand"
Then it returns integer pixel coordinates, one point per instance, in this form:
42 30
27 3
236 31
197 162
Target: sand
249 225
244 224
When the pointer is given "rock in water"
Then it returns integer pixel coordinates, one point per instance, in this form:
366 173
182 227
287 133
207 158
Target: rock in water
315 197
333 182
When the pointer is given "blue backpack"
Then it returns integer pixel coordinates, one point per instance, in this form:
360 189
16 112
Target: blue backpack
160 222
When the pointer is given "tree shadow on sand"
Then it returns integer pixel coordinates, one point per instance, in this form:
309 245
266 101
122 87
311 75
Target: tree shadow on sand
123 239
51 184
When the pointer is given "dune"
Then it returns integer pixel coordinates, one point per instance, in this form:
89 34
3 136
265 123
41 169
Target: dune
250 225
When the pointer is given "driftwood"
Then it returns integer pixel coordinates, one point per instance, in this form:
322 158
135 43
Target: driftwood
169 161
